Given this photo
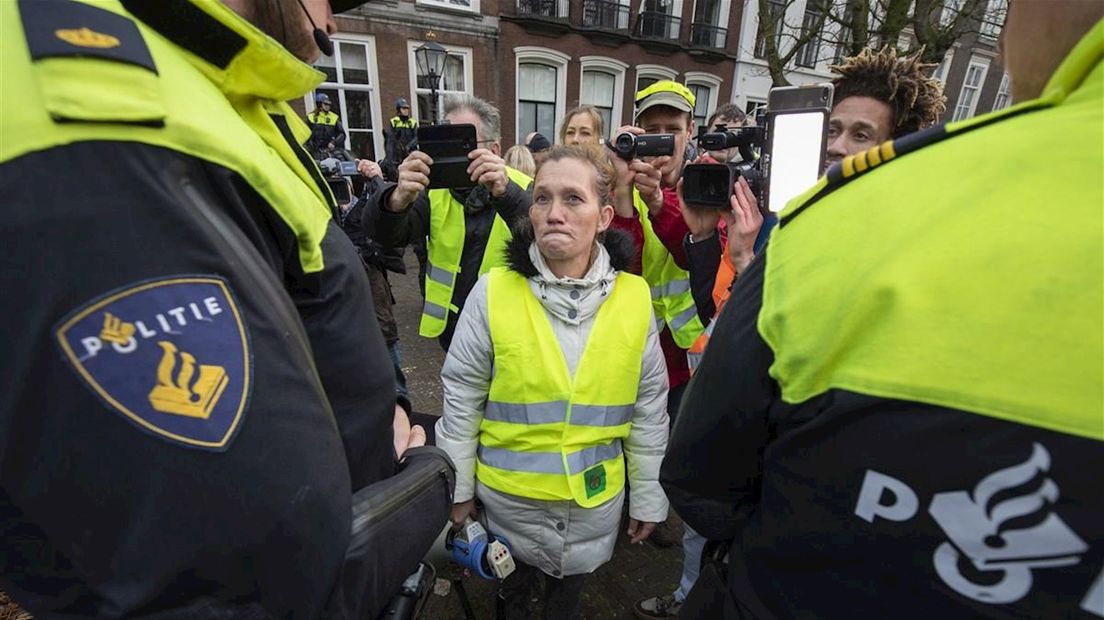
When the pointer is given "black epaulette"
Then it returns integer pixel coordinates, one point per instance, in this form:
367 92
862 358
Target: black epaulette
72 29
855 166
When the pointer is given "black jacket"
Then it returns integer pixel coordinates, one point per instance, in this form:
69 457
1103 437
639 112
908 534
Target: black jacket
102 516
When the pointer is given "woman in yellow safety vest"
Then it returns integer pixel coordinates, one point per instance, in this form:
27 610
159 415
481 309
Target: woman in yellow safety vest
555 391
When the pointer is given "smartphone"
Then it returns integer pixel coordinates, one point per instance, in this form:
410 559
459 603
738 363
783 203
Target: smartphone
797 138
449 146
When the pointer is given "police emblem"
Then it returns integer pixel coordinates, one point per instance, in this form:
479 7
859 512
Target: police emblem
171 355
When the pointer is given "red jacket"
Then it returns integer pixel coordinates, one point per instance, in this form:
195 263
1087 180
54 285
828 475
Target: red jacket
671 229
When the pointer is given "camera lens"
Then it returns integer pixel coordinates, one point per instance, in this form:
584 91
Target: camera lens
624 144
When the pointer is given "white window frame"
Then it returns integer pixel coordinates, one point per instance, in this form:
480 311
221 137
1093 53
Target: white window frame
545 56
711 82
412 63
967 111
950 11
675 12
340 86
1004 92
944 69
447 6
990 31
617 69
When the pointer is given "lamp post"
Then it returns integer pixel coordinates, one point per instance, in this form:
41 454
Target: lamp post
431 63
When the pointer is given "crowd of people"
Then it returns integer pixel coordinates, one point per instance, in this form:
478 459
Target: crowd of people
883 400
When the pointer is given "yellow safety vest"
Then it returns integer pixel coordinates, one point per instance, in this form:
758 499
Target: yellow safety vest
546 435
226 116
444 247
398 122
670 285
322 118
969 297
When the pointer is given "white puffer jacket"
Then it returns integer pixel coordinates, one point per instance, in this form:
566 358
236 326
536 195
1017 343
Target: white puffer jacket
560 538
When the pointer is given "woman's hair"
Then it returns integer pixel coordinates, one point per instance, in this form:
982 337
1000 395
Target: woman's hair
901 83
519 158
592 154
595 118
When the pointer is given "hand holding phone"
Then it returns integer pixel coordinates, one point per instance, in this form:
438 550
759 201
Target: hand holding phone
413 180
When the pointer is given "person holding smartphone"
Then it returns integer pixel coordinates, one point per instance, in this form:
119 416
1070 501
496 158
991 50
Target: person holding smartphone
465 229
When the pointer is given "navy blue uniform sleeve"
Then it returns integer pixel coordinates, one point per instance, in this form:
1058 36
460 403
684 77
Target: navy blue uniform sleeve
161 416
712 469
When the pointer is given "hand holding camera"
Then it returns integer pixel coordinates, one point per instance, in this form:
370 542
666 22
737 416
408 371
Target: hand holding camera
488 170
413 180
645 176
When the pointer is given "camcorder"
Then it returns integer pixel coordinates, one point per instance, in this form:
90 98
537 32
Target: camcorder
782 155
629 146
449 146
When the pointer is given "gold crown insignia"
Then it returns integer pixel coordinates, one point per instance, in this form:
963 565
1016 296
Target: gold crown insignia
86 37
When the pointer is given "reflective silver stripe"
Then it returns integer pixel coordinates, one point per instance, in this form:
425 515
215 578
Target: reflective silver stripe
533 462
578 462
683 318
435 311
601 415
526 413
441 276
693 359
670 289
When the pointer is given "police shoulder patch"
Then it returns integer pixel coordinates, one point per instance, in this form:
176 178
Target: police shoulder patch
67 28
170 355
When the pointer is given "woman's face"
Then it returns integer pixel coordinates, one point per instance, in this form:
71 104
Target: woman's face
580 130
566 213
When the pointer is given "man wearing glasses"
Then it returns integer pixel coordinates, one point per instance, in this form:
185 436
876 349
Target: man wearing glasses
466 229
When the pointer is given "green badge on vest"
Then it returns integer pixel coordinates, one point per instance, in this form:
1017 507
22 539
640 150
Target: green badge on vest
595 479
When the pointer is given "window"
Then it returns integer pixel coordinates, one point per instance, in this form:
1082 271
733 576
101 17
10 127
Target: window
541 90
466 6
603 86
543 8
660 19
993 20
813 21
606 14
776 9
705 87
944 67
951 9
845 36
971 85
351 84
456 79
709 26
1003 98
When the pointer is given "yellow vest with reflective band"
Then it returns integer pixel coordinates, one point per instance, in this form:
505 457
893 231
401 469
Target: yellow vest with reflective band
979 288
444 247
546 435
409 123
227 117
322 118
670 285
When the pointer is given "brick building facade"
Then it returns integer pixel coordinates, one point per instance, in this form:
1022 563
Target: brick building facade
536 59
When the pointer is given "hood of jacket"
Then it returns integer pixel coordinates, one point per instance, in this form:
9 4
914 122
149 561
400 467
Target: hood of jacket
572 300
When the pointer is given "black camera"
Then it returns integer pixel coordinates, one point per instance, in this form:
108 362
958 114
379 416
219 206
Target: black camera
629 146
709 186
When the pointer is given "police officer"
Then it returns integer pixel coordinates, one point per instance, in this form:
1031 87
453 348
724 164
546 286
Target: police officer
193 381
900 413
402 135
326 130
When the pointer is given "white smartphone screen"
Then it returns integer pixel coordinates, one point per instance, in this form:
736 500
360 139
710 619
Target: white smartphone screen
796 149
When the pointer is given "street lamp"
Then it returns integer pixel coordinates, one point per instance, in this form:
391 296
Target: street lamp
431 63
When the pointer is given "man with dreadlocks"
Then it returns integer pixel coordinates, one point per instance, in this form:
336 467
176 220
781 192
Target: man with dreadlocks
880 97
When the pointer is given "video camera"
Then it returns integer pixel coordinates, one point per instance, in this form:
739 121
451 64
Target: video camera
782 155
629 146
710 185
